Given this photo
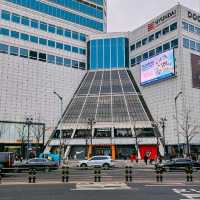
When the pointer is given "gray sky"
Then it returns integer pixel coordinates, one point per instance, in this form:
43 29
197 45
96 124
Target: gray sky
126 15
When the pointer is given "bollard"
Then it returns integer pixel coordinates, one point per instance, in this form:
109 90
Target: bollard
30 175
63 174
34 175
99 175
128 174
159 174
0 176
95 175
67 174
189 171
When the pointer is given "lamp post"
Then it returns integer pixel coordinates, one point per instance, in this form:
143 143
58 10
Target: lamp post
162 123
29 122
91 122
176 112
61 112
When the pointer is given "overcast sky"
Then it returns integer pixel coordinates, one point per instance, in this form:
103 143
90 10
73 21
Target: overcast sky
126 15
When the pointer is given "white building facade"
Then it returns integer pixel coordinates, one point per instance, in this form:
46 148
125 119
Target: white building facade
176 98
42 50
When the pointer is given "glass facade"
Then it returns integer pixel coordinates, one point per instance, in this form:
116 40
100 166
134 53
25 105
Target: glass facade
61 13
108 53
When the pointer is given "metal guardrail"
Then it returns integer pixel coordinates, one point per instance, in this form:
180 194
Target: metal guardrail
127 174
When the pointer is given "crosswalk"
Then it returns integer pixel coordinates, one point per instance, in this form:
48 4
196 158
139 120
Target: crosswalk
101 186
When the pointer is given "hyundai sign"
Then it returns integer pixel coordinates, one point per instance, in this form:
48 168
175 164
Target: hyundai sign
159 67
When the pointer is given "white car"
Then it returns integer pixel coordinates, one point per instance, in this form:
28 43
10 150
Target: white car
97 161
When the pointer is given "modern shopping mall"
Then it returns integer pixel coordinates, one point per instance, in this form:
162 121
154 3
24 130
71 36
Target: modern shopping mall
95 92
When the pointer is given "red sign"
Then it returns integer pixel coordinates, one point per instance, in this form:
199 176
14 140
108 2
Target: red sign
151 26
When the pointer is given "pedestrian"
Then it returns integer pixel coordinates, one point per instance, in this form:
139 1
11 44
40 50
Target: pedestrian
145 159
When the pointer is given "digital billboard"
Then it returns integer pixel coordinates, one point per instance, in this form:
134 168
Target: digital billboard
195 63
157 68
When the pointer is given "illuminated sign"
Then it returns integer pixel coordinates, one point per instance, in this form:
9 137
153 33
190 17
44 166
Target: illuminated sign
194 16
161 20
157 68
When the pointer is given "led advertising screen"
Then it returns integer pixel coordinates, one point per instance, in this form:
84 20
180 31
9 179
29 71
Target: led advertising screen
157 68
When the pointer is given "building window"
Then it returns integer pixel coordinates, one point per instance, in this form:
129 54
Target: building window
138 44
198 47
82 65
185 26
145 56
51 28
165 30
43 26
60 31
59 60
59 45
173 26
34 23
82 37
14 51
75 49
158 34
74 35
138 59
191 28
144 41
133 62
67 33
24 53
24 36
4 31
42 57
33 55
74 64
67 47
67 62
25 21
152 53
3 48
174 43
34 39
51 43
159 50
15 34
42 41
151 38
51 59
82 51
192 45
186 43
15 18
5 15
133 47
166 46
197 30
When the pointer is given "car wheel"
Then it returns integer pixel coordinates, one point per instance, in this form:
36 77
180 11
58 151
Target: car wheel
83 165
106 166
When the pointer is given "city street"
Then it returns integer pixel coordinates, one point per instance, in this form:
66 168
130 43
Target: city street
70 191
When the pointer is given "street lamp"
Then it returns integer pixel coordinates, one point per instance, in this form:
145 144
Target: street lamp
91 122
176 112
28 122
61 112
162 123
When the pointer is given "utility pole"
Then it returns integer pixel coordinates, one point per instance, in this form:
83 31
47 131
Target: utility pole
177 127
61 112
91 122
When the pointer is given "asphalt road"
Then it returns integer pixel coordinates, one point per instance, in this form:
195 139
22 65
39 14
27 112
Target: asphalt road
98 192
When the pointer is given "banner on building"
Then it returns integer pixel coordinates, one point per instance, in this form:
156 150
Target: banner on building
195 63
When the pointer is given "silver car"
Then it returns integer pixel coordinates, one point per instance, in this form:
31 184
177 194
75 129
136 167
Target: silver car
97 161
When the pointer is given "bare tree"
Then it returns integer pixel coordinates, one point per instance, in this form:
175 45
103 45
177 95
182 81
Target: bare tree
22 136
38 133
188 129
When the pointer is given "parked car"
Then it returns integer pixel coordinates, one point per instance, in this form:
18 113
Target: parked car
97 161
38 163
179 164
